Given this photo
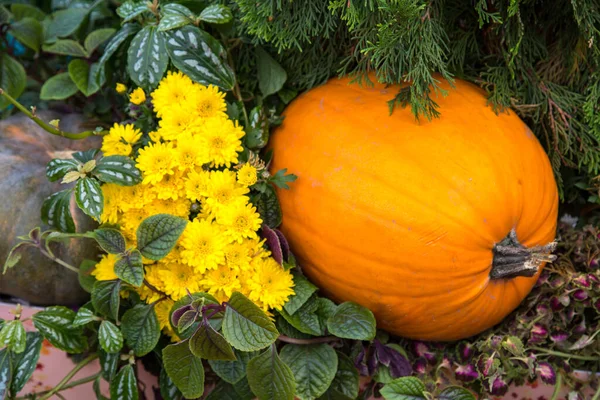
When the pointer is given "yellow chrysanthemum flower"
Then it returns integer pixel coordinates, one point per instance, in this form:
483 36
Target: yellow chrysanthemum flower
170 187
240 221
247 175
120 140
221 282
163 309
203 244
270 284
173 89
209 102
155 161
178 122
190 153
138 96
223 189
131 220
179 208
105 269
239 255
196 185
136 196
178 279
112 203
222 139
152 277
120 88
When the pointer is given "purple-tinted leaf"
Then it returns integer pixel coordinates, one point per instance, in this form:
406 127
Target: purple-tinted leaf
466 373
496 342
285 247
582 281
597 305
465 351
499 387
593 278
420 365
583 341
559 336
371 361
487 365
543 278
547 373
542 309
539 330
580 328
422 350
555 304
398 364
580 295
186 320
360 364
178 313
273 243
557 282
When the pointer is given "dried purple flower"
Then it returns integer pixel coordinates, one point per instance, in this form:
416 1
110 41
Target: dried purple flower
559 336
580 295
557 282
420 365
555 304
466 373
539 330
582 281
422 350
499 387
542 308
546 372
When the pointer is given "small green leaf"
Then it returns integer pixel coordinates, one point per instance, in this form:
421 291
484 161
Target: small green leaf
168 390
86 279
108 364
5 372
147 58
89 197
66 47
456 393
57 213
175 16
280 179
59 87
120 170
209 344
346 383
106 299
140 329
56 324
314 367
184 369
130 268
271 75
96 38
206 299
270 378
12 335
131 9
21 11
352 321
58 167
83 317
124 385
12 78
85 156
303 289
216 14
14 255
158 234
64 22
514 345
306 319
245 326
24 364
81 74
112 46
406 388
110 337
232 371
28 31
111 240
223 391
268 207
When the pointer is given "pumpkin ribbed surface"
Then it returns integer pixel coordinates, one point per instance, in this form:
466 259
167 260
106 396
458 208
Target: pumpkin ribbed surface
402 216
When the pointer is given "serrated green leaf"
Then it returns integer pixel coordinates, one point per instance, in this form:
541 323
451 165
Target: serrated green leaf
314 367
243 390
352 321
514 345
24 364
306 319
12 78
110 337
245 326
346 383
141 329
112 46
120 170
270 378
216 14
280 179
56 324
83 317
108 364
175 16
106 298
57 213
66 47
158 234
271 75
5 372
268 207
14 255
406 388
200 56
303 289
59 87
207 343
111 240
184 369
223 391
456 393
96 38
124 384
131 9
232 371
21 11
130 268
89 197
147 58
168 390
58 167
28 31
81 74
64 22
285 328
86 279
12 335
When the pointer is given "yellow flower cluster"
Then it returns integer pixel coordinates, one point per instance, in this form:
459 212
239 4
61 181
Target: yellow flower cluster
188 171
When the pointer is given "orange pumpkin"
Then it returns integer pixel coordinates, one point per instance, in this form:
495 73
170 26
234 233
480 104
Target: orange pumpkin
440 228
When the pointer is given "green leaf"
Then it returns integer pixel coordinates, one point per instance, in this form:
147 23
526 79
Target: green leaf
96 38
86 279
147 58
110 337
57 213
59 87
24 364
200 56
158 234
21 11
140 329
232 371
352 321
243 390
268 207
120 170
113 45
56 324
83 317
345 384
66 47
216 14
12 335
271 75
245 326
306 319
131 9
209 344
12 78
184 369
187 300
130 269
124 385
280 179
82 75
223 391
14 255
270 378
65 22
406 388
326 308
303 289
314 367
85 156
175 16
89 197
5 372
106 299
28 31
285 328
111 240
456 393
168 390
514 345
108 364
58 167
5 15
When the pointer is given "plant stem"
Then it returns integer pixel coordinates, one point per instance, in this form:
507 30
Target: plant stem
324 339
46 126
236 88
63 384
59 261
557 386
67 386
565 355
596 395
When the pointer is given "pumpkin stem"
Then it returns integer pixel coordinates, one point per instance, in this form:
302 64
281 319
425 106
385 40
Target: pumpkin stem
512 259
